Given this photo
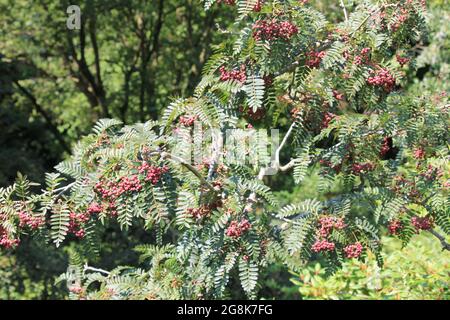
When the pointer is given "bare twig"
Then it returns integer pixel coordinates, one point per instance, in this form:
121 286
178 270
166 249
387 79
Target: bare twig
445 244
277 152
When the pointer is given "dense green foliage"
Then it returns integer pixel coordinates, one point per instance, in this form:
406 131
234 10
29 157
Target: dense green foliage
360 98
418 271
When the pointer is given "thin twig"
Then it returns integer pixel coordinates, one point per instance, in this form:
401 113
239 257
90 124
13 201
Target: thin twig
344 9
187 165
445 244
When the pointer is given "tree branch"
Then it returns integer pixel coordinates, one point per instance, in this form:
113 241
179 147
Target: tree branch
445 244
87 268
187 165
45 115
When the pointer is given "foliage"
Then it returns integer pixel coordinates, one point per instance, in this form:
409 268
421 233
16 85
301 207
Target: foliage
418 272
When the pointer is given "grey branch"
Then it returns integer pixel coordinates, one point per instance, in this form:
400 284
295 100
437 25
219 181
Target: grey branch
87 268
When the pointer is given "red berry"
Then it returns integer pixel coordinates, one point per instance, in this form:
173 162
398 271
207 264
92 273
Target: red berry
353 250
394 227
322 245
422 223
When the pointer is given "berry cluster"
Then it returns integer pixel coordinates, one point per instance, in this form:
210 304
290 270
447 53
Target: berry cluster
382 78
337 95
152 173
419 153
395 226
402 60
256 115
197 213
187 121
131 184
422 223
6 241
399 18
386 146
258 6
28 219
432 173
353 250
328 164
322 245
327 223
227 2
236 229
238 75
363 57
76 221
94 208
112 190
274 29
76 290
314 58
358 168
405 186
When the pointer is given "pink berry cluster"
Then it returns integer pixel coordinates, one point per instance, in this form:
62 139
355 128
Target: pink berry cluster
395 226
419 153
274 29
322 245
353 250
399 18
422 223
358 168
256 115
187 121
327 223
402 60
238 75
432 173
386 146
76 290
337 95
363 57
112 190
256 8
6 241
76 221
236 229
94 208
131 184
382 78
328 164
227 2
327 117
30 220
313 58
152 173
200 212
